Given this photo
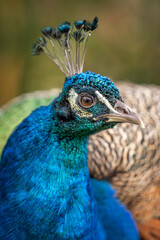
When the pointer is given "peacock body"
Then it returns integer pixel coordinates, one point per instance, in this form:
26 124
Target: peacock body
44 166
46 190
121 155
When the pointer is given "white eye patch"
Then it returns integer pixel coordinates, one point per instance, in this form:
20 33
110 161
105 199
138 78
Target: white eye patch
106 102
73 102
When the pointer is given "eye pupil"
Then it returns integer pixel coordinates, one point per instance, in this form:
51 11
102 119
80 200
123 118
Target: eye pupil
86 100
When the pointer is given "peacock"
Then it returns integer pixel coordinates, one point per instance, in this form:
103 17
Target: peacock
122 155
46 191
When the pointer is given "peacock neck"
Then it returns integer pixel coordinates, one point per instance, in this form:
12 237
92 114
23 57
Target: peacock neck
74 151
71 156
73 185
70 151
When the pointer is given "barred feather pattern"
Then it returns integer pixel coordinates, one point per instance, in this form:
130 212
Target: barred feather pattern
129 156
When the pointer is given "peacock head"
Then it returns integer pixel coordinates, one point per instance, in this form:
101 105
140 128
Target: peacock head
89 102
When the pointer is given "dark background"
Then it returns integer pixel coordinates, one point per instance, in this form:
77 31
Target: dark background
125 47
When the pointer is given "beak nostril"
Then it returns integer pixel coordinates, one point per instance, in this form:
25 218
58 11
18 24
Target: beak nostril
122 110
121 107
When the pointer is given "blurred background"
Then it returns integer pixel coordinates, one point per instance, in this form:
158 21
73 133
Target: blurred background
125 47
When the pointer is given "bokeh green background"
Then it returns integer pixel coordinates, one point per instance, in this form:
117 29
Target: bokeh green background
126 45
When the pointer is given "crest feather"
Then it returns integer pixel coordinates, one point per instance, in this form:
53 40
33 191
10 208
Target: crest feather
66 44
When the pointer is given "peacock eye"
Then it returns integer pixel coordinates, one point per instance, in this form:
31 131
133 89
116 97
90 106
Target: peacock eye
86 100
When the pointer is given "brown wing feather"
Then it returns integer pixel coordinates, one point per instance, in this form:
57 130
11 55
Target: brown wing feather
129 156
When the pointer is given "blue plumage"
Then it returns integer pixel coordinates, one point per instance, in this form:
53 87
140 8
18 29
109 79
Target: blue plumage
117 222
45 187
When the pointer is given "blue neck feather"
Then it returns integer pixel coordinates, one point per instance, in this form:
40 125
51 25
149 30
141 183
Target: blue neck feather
53 183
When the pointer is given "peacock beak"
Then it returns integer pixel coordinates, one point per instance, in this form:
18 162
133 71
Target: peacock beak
121 113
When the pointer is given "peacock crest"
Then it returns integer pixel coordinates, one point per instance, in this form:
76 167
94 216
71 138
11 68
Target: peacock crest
66 44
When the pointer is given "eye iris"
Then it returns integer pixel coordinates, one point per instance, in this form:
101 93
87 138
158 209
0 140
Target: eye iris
86 101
